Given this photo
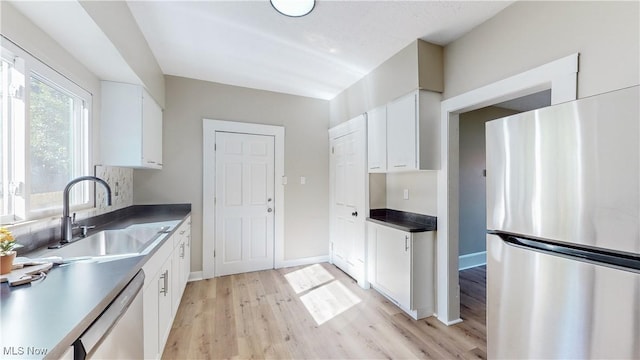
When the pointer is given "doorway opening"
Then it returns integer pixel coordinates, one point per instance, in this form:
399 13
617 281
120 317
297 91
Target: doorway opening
560 77
472 173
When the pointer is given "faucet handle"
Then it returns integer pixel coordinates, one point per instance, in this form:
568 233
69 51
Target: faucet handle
73 219
85 229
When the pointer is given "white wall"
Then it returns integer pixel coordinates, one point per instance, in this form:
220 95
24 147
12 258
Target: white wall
531 33
306 122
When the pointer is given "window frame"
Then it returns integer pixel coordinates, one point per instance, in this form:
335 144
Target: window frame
30 66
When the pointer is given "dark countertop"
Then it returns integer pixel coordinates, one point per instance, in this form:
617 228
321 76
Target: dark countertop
44 318
403 220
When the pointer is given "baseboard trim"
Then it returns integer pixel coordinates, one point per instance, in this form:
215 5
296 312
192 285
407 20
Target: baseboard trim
302 261
456 321
472 260
195 276
198 275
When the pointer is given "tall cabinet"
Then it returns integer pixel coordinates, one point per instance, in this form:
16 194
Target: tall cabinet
349 195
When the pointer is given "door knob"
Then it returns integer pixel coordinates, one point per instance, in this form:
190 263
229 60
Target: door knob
355 213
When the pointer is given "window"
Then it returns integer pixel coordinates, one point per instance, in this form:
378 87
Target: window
44 140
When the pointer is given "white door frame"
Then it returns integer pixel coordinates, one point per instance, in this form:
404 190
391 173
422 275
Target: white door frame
561 77
209 190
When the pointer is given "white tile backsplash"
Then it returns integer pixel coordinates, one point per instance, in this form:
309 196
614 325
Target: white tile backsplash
121 182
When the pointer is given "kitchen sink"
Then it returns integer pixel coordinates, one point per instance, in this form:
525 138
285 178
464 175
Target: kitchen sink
134 240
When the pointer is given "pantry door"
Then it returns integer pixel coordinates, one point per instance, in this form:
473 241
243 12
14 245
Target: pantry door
244 203
349 190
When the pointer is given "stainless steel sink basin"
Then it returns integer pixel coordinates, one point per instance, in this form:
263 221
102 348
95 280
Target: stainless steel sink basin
133 240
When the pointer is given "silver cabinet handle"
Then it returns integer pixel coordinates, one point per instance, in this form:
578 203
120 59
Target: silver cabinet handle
355 213
165 282
269 210
400 165
406 242
182 250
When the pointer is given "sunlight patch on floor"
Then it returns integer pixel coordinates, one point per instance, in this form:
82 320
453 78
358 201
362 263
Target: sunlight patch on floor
308 278
328 301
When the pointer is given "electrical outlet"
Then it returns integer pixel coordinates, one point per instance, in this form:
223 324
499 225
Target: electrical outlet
303 180
405 194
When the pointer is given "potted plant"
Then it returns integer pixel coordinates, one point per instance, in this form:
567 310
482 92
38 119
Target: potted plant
7 254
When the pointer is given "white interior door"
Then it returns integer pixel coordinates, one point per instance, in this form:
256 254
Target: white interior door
244 205
348 200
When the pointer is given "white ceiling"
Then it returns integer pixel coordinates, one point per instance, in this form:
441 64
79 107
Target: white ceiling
248 43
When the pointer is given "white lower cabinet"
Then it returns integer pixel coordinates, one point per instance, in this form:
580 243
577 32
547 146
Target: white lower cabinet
165 310
402 268
166 275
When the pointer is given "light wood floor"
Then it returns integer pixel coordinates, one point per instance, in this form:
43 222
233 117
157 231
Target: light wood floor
259 315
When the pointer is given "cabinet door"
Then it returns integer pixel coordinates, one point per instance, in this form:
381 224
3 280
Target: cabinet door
393 264
176 278
165 314
402 133
186 265
150 317
151 132
377 139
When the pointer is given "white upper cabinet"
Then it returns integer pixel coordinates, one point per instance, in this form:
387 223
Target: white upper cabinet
413 132
131 127
377 139
404 135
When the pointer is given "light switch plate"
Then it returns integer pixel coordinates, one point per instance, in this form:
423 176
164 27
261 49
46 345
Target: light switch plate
405 194
303 180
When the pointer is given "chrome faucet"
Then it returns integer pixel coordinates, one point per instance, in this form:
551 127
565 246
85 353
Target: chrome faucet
67 222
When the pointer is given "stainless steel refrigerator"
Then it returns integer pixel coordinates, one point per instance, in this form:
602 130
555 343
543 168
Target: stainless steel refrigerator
563 220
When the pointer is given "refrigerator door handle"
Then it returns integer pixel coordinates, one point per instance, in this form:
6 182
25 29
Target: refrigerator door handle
618 259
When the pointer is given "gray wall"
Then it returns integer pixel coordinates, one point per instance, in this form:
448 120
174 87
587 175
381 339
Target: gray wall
417 66
423 192
116 21
306 121
473 215
531 33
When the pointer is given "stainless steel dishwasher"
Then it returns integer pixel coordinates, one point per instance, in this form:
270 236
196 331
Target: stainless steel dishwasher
118 332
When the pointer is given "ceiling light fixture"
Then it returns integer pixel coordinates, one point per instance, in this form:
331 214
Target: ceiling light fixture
293 8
